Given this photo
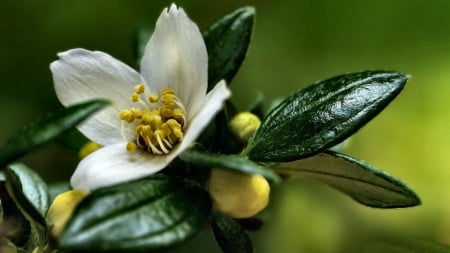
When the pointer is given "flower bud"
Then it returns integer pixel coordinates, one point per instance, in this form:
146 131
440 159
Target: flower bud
237 194
88 148
61 210
244 125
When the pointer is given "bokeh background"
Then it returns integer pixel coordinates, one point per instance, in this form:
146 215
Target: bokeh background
295 44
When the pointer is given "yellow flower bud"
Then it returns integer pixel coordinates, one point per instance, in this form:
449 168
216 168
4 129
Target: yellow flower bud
61 210
244 125
237 194
88 148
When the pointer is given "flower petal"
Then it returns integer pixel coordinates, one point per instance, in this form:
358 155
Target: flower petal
176 57
213 103
112 165
81 75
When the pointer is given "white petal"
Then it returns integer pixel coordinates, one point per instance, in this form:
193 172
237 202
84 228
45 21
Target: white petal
213 103
81 75
112 165
176 57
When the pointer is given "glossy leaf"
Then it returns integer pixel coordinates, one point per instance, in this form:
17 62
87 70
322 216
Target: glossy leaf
227 41
230 162
324 114
364 183
47 128
29 192
142 216
229 235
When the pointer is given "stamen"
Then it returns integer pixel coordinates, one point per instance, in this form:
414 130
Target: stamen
131 146
135 97
156 130
153 98
139 89
161 145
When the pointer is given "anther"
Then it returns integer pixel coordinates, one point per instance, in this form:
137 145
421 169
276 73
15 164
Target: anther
131 146
126 115
153 98
135 97
156 129
139 89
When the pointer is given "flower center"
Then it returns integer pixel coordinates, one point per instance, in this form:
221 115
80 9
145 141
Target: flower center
157 125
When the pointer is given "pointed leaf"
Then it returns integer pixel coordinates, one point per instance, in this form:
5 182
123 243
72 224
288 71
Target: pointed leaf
29 192
47 128
142 216
229 235
364 183
324 114
227 41
230 162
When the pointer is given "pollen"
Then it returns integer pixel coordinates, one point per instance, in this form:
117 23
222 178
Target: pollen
156 124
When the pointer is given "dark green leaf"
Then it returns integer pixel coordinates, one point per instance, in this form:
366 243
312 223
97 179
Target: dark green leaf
142 216
229 235
230 162
72 139
227 41
322 115
46 129
29 192
364 183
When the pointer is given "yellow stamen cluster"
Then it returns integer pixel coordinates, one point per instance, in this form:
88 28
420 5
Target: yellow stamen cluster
158 125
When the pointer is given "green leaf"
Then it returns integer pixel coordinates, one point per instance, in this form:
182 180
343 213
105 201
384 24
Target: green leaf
230 162
47 128
364 183
29 192
324 114
72 139
227 41
229 235
142 216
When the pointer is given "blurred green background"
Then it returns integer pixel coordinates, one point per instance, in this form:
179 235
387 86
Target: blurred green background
295 44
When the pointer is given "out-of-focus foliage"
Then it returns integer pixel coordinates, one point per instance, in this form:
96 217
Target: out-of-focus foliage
296 42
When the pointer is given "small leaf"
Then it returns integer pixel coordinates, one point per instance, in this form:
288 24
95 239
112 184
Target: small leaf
364 183
142 216
29 192
229 235
47 128
322 115
230 162
227 41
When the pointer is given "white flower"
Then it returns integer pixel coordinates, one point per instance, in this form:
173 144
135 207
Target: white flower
167 110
